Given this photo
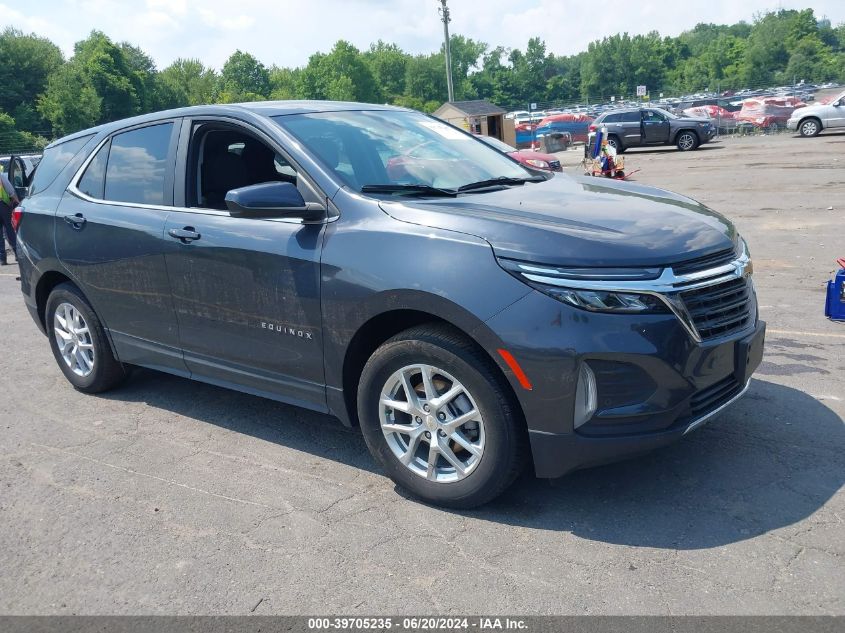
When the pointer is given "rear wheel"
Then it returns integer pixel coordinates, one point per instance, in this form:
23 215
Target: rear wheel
809 127
437 416
79 342
687 141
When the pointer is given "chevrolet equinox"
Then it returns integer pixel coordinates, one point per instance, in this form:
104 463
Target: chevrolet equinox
379 265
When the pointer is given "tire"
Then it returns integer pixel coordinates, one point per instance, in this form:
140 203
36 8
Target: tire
615 143
809 128
687 141
88 361
494 433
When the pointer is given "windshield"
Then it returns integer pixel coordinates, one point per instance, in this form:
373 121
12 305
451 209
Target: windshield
388 147
499 145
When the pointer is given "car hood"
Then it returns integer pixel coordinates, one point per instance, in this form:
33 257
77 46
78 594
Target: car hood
579 221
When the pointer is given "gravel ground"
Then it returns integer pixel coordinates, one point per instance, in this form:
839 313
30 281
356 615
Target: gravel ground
173 497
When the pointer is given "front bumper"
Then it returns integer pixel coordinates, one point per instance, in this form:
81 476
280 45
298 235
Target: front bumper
654 383
792 124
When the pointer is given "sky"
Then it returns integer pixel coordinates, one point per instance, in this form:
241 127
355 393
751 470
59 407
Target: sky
287 32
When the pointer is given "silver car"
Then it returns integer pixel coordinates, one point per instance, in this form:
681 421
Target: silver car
811 120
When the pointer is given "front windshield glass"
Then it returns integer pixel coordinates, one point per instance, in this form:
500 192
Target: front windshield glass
396 148
499 145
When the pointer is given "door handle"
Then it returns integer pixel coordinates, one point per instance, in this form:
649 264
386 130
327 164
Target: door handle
186 235
76 221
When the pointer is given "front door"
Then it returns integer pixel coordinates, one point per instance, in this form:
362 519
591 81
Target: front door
109 229
835 114
655 127
246 291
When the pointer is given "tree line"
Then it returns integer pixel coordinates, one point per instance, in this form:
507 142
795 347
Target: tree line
44 95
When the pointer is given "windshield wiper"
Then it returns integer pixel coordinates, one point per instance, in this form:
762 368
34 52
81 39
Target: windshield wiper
501 180
419 190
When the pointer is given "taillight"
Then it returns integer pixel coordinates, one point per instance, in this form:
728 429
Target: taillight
17 214
592 128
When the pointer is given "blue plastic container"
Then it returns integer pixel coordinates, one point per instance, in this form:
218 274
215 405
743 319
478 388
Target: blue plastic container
834 305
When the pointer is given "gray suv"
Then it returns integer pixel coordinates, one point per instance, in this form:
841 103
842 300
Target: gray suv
468 314
653 126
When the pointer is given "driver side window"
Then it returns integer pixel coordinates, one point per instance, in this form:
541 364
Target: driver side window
225 158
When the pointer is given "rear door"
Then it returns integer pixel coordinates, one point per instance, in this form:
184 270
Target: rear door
246 291
109 236
655 127
631 128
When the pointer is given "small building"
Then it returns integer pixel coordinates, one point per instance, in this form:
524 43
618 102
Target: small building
478 117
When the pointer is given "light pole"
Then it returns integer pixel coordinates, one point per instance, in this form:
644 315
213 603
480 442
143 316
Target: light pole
444 17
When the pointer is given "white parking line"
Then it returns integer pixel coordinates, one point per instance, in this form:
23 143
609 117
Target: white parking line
802 333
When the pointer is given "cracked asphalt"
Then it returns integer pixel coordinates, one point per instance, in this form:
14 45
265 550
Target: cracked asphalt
174 497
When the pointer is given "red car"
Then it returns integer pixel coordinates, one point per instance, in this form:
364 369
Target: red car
529 158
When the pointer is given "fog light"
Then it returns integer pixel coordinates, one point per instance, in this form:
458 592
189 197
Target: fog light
585 395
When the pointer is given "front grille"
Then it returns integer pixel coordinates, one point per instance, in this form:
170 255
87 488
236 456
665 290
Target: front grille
722 309
704 263
714 396
554 165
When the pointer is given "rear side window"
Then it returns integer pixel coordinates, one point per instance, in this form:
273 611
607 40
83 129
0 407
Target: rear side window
631 117
137 165
55 159
612 118
93 180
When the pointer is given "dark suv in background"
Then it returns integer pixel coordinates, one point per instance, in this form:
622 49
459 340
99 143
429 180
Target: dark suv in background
653 126
379 265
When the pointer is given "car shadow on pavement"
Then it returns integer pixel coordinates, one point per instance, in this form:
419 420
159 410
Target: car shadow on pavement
297 428
773 459
668 149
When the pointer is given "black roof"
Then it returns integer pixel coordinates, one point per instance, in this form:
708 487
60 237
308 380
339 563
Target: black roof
479 107
261 108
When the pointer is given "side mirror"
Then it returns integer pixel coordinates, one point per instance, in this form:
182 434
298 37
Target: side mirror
272 200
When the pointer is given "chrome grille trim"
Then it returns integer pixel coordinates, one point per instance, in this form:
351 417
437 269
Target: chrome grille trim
668 287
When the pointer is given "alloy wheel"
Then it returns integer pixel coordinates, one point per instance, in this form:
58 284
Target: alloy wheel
809 128
431 423
686 142
74 340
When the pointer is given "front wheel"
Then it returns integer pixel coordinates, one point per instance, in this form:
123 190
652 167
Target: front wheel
809 127
79 342
438 417
687 141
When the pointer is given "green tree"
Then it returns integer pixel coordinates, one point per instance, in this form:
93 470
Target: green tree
70 102
27 62
244 78
285 83
387 63
343 74
189 81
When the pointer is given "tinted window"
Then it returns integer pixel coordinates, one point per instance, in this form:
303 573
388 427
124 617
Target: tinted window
612 118
652 116
94 178
631 117
54 160
138 164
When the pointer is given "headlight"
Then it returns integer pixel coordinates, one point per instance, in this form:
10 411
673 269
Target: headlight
537 163
558 283
601 301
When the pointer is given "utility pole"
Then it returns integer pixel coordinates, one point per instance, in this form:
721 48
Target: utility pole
444 17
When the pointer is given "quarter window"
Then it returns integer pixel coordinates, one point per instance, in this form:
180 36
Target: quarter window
137 165
94 179
55 159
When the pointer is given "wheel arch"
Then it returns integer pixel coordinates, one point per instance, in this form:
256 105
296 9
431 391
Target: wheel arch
814 117
46 283
685 129
380 328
